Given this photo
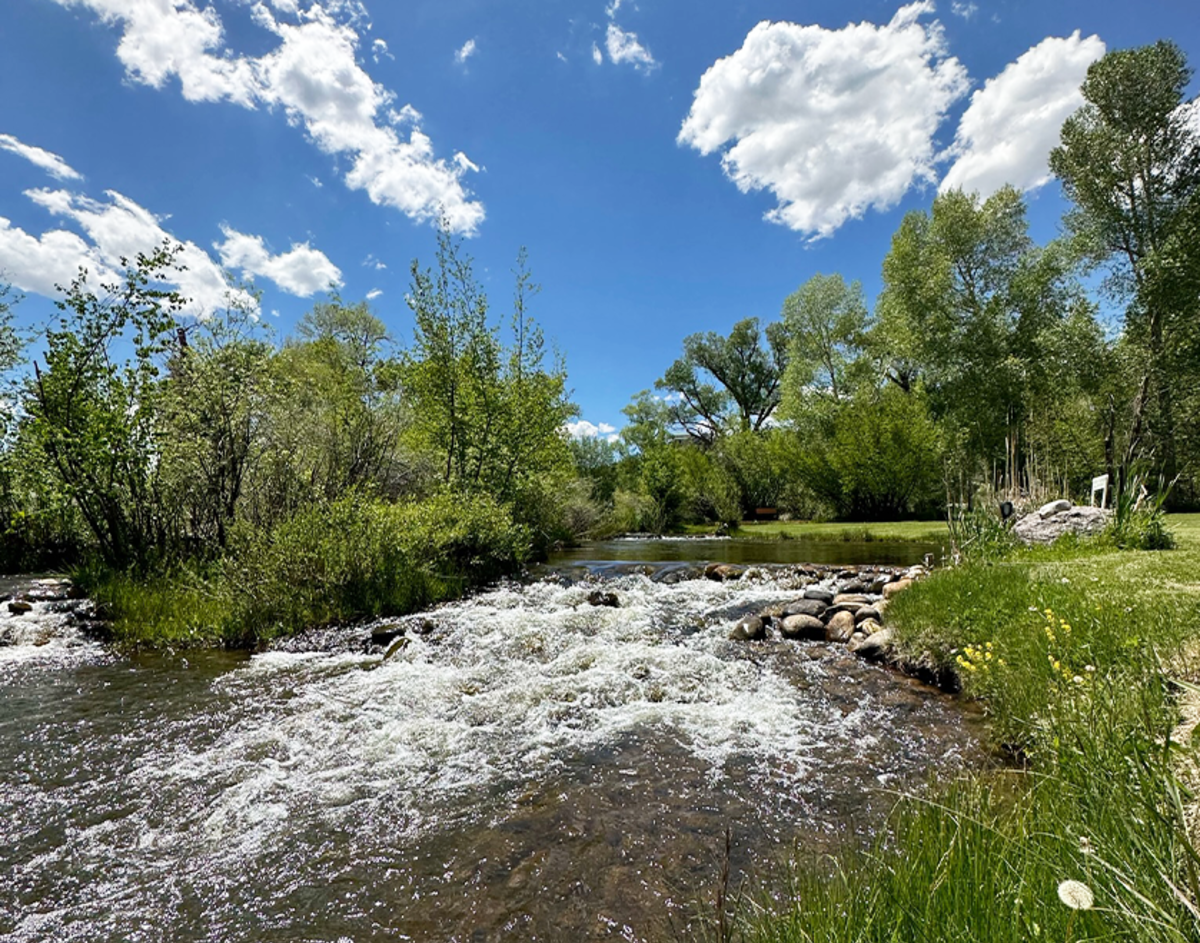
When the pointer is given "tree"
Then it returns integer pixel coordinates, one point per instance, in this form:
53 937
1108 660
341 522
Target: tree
827 322
748 380
98 420
969 307
1129 160
216 393
10 349
492 414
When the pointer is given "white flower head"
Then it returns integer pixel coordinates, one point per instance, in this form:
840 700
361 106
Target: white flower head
1075 895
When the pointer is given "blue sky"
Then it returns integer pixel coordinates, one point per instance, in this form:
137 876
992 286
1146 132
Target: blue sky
671 167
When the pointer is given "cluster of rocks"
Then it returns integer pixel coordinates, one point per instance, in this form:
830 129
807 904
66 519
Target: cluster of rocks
39 606
850 611
1051 521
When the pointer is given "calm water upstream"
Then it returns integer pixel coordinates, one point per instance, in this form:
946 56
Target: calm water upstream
528 767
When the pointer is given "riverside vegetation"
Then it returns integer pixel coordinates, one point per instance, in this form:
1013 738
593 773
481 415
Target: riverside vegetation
1075 651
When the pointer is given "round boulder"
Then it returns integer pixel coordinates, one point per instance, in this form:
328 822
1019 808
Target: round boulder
840 627
803 627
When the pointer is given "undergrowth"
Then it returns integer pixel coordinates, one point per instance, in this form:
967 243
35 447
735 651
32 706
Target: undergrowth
349 559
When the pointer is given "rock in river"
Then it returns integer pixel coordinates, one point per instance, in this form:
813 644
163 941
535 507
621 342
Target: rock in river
748 628
803 626
840 627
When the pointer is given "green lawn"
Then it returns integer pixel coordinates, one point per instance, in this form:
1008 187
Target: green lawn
921 531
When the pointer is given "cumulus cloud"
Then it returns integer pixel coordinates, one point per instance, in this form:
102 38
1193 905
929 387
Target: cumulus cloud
54 165
302 271
314 77
374 293
582 429
832 122
379 50
965 10
41 263
465 52
116 229
1013 122
597 55
624 47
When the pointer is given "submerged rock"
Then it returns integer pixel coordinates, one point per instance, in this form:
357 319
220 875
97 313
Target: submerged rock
19 607
601 597
749 628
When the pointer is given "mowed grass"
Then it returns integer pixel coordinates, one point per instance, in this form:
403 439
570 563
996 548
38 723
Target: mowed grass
918 531
1074 654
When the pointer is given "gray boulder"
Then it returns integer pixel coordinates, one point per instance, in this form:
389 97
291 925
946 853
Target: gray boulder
1048 523
804 607
875 647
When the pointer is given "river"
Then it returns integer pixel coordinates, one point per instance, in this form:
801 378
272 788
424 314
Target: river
527 767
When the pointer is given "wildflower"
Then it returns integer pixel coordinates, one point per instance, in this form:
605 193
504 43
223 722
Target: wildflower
1089 668
1077 679
1075 895
1085 845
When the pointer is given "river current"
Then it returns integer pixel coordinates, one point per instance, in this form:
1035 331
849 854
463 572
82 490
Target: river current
527 767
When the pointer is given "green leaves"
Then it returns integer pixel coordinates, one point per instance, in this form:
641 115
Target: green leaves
748 380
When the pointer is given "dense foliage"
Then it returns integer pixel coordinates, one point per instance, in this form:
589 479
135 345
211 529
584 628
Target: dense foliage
985 367
262 487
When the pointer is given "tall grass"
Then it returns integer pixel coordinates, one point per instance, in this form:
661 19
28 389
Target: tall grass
349 559
1065 648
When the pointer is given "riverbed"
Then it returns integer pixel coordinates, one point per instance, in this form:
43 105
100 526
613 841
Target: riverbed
527 767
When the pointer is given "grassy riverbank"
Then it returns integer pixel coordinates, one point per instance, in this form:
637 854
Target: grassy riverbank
1074 652
353 558
916 531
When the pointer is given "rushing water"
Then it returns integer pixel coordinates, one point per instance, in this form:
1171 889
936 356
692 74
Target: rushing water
527 766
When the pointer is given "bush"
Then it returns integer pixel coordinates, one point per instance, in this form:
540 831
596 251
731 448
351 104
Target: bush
352 558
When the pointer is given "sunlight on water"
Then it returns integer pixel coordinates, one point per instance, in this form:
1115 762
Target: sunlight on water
527 761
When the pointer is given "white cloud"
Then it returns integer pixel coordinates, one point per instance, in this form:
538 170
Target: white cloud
561 57
117 229
316 182
374 263
1013 122
582 429
41 263
54 165
313 75
374 293
611 10
624 47
302 271
379 50
965 10
597 55
465 53
832 122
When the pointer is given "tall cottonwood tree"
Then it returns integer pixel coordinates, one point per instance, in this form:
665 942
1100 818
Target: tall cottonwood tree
1129 160
724 384
971 311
